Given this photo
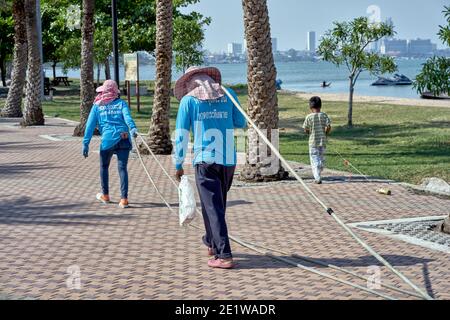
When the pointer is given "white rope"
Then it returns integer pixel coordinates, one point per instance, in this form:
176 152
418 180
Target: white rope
157 161
242 242
332 266
310 269
152 181
328 209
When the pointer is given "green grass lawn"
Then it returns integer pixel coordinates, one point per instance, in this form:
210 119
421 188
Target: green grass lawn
397 142
402 143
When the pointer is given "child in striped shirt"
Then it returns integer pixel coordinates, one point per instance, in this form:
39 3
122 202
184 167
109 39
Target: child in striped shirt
318 125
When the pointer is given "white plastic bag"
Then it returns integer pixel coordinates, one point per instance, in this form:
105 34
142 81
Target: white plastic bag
187 202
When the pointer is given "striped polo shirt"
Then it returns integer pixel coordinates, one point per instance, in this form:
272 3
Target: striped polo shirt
317 124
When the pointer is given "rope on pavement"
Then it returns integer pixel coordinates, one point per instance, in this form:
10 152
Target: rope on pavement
248 245
332 266
329 210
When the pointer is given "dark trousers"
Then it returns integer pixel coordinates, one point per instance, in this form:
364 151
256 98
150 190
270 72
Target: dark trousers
122 150
213 183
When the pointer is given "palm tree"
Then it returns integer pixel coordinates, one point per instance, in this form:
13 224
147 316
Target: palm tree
33 114
13 105
159 134
444 35
87 91
263 101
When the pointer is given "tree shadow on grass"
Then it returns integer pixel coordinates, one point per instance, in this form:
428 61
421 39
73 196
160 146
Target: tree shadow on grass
378 135
362 131
353 179
366 131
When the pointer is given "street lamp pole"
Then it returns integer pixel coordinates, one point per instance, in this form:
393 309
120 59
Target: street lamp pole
115 41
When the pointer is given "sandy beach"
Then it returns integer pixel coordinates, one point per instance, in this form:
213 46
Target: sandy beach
373 99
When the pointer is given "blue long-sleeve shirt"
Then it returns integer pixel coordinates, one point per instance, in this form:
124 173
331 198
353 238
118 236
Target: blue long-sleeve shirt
112 120
213 123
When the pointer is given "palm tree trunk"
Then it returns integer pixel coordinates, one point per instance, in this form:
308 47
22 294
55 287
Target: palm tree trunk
33 114
13 105
159 134
261 165
87 90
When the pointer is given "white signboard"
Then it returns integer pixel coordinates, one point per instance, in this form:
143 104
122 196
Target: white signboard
131 62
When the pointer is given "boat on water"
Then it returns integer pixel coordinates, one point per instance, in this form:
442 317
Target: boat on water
278 84
396 80
429 95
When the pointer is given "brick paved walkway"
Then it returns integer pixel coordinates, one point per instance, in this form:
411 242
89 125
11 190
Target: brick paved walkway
49 222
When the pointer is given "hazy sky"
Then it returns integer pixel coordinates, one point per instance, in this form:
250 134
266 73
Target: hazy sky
291 19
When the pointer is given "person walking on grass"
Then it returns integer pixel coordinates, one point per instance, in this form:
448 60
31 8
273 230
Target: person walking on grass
211 115
318 125
111 115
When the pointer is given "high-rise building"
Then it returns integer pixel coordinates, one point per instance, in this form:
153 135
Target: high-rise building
394 47
420 47
234 49
311 43
274 45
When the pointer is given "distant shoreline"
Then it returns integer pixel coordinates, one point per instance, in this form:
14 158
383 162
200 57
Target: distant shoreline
342 97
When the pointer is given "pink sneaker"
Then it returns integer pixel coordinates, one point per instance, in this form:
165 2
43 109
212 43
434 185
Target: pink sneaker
221 263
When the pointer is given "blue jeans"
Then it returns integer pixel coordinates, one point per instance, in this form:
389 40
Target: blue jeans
213 183
317 157
122 150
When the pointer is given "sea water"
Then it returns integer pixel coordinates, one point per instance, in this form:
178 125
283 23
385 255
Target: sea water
303 76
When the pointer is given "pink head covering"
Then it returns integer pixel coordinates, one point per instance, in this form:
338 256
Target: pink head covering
202 83
107 93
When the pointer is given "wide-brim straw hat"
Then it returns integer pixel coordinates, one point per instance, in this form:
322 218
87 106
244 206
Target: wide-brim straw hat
181 85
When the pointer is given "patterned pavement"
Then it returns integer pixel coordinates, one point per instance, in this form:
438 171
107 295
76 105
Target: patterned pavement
53 232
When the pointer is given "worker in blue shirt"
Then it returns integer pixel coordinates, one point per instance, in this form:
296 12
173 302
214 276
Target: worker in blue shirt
112 117
210 114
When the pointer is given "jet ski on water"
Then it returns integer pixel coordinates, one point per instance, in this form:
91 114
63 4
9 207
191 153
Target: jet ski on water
278 84
396 80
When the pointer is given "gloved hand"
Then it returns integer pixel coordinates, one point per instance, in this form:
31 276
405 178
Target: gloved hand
85 151
134 132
